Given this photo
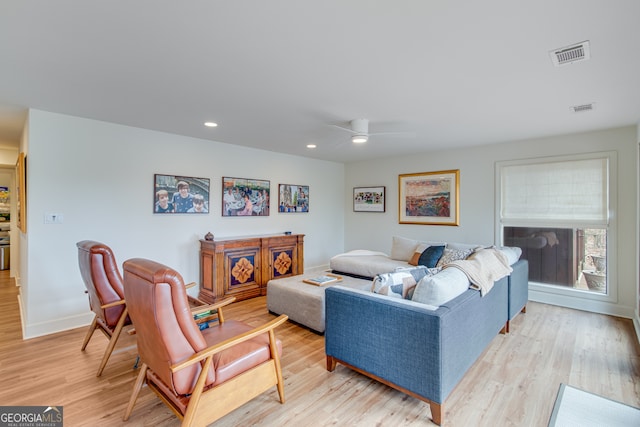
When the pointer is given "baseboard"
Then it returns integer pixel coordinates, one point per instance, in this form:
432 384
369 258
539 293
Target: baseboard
594 306
58 325
636 326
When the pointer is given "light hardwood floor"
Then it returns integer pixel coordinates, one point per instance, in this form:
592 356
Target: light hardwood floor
514 383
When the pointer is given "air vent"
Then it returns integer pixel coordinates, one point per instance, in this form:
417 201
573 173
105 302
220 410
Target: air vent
582 108
570 54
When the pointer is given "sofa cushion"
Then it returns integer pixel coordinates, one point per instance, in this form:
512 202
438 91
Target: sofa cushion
418 272
402 249
442 287
358 263
431 256
427 255
464 246
450 255
416 255
397 284
512 253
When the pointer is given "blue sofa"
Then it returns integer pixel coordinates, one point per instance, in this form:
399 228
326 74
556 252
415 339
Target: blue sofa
413 348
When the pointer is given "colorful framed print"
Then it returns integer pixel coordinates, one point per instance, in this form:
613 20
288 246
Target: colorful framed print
369 199
293 198
430 198
180 194
245 197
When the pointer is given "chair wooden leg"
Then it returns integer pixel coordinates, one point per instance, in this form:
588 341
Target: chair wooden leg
276 359
90 331
194 400
112 342
137 386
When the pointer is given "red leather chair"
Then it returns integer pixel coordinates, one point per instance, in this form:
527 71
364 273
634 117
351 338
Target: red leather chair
200 375
104 285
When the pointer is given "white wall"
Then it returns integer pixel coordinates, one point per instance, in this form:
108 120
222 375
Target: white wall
100 176
477 198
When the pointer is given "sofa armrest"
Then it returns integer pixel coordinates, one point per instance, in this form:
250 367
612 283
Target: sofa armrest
518 287
389 338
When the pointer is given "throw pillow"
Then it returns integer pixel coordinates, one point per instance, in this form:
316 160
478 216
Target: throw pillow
396 285
442 287
450 255
418 272
512 253
416 255
402 248
431 256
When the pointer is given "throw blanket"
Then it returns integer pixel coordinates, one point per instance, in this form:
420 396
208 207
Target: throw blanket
483 268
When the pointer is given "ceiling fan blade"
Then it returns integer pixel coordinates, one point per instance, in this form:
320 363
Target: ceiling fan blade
397 134
343 128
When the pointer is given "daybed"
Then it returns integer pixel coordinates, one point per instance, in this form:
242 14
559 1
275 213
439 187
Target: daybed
421 348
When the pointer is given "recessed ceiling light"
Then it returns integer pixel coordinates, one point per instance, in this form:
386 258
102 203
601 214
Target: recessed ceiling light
311 145
210 124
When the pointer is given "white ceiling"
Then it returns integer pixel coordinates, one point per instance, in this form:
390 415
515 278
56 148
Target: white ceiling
276 74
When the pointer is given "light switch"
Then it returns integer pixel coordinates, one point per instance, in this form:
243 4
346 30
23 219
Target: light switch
53 218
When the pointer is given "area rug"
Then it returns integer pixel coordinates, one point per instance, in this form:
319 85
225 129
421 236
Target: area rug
575 407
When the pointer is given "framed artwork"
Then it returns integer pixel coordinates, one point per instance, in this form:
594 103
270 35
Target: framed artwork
429 198
21 167
368 199
293 198
180 194
245 197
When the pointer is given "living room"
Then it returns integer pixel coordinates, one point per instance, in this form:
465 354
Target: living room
99 176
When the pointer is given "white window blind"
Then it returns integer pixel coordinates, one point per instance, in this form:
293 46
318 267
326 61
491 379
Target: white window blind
573 190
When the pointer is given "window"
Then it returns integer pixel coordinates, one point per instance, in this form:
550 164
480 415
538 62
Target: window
558 211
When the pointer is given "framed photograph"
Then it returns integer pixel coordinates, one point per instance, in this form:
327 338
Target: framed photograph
245 197
429 197
368 199
293 198
180 194
21 167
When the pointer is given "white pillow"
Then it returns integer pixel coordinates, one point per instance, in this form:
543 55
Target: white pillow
441 287
512 253
463 246
402 249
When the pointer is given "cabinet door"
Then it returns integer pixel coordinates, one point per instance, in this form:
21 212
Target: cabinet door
242 273
282 260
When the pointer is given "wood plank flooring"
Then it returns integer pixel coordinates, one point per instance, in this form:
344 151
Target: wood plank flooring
514 383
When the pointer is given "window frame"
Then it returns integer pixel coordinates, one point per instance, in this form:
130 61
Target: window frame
557 294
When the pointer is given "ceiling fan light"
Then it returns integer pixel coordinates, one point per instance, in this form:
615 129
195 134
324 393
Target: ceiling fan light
359 139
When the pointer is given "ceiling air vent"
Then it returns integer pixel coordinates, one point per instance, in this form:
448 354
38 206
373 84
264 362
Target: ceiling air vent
569 54
582 108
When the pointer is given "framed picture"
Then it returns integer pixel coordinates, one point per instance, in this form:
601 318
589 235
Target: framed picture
245 197
21 167
293 198
429 197
180 194
368 199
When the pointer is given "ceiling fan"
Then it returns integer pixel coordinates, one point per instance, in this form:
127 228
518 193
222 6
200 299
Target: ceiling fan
360 131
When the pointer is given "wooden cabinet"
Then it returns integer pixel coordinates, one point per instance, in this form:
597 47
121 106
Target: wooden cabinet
242 266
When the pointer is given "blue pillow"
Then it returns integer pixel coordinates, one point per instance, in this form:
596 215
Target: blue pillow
431 256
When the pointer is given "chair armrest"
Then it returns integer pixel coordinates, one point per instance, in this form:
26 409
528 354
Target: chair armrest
209 351
212 307
113 304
